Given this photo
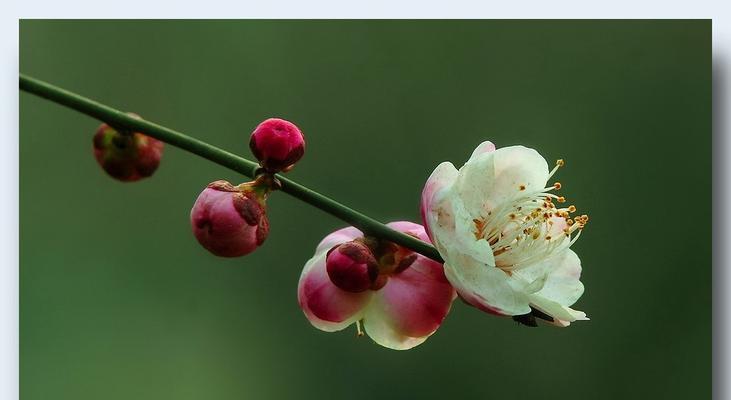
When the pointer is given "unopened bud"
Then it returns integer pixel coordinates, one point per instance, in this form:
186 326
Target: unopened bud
230 221
277 144
126 156
352 267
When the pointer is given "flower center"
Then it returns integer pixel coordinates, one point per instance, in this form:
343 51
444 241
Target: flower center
388 259
530 227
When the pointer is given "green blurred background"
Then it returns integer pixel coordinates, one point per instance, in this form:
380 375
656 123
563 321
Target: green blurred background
118 301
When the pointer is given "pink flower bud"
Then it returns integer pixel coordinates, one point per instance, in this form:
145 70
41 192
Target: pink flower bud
230 221
352 267
127 157
402 307
277 144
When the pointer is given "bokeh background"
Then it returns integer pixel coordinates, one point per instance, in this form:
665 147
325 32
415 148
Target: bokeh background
118 301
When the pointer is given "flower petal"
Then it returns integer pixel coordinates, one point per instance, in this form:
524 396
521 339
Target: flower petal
561 289
561 274
518 165
466 239
453 228
410 228
563 315
443 176
489 179
410 307
484 147
485 287
475 182
328 307
340 236
563 285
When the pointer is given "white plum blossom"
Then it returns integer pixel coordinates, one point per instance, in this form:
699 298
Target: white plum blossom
504 235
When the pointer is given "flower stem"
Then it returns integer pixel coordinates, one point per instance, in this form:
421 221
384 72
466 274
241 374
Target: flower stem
222 157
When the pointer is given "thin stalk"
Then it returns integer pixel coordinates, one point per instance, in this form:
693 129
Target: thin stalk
221 157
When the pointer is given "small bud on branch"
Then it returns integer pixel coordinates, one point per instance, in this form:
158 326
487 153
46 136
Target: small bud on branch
126 156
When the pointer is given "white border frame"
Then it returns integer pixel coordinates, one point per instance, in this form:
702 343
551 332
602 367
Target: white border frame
389 9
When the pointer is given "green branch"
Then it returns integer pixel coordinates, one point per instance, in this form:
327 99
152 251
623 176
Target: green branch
221 157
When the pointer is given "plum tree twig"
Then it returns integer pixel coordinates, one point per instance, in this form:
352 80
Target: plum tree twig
221 157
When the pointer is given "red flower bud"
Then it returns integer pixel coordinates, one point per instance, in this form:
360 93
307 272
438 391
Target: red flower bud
352 267
230 221
127 157
277 144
